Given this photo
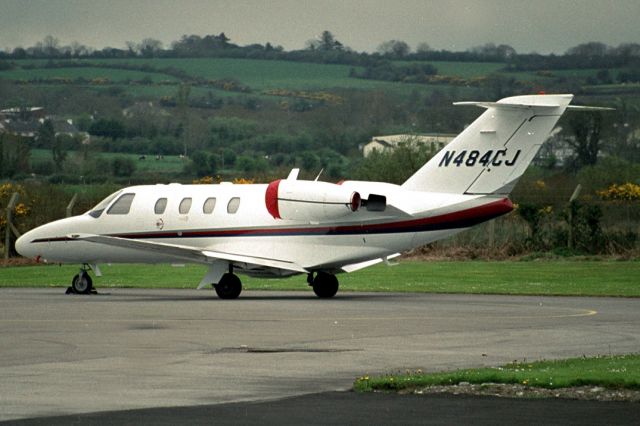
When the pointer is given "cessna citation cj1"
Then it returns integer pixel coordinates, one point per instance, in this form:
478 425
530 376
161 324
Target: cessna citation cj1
291 226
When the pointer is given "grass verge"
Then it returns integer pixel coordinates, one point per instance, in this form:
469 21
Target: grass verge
546 277
612 372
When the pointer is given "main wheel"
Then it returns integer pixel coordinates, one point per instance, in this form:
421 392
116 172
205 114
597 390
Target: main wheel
229 286
82 283
325 285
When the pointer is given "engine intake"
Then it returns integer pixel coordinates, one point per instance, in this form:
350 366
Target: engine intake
309 200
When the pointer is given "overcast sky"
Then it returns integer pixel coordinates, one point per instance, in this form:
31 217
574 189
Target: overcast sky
542 26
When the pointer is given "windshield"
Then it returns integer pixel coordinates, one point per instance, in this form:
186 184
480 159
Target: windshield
98 209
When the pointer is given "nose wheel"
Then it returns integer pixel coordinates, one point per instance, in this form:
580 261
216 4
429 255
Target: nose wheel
81 283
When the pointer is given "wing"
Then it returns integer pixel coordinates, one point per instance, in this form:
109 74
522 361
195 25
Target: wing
190 254
357 266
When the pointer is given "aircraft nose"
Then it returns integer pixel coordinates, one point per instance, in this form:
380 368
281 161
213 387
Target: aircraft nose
24 246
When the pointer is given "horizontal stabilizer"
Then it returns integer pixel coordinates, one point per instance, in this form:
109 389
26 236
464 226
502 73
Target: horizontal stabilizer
589 108
505 105
521 102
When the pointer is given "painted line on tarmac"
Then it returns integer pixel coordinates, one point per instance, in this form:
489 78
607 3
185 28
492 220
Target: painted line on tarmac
582 313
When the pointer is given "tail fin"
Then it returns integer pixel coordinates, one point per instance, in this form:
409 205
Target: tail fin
490 155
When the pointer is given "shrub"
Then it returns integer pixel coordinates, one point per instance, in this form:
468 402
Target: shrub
122 166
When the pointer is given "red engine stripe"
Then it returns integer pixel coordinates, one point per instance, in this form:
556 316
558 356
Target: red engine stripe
271 199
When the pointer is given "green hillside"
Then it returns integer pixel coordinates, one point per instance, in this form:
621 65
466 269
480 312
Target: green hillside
88 73
461 69
258 75
156 77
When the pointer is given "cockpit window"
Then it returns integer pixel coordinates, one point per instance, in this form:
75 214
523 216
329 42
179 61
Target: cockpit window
122 205
99 208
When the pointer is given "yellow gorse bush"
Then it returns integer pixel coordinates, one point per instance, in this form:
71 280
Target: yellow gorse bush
314 96
623 192
546 210
242 181
6 191
22 210
207 180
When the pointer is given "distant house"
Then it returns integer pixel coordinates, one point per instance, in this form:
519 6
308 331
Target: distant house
26 122
22 114
149 109
27 129
435 142
21 121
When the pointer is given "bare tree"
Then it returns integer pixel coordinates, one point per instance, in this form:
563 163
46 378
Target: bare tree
149 47
78 49
423 48
50 45
132 47
396 48
326 41
589 49
585 138
502 51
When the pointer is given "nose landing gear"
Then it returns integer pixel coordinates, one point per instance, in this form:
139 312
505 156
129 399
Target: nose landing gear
81 283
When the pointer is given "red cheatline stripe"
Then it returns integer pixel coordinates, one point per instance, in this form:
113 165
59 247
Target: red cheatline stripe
454 220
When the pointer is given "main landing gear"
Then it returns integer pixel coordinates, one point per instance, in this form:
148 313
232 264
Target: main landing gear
229 286
324 285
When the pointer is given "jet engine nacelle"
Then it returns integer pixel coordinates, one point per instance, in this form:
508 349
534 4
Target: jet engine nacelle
309 200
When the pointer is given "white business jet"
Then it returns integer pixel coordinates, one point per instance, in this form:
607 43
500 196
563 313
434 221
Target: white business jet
292 226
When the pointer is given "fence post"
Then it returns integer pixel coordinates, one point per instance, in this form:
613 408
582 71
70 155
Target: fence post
492 232
574 196
10 227
71 204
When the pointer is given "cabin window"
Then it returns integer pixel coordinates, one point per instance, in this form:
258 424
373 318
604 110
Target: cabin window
233 205
209 205
185 206
98 209
122 204
161 206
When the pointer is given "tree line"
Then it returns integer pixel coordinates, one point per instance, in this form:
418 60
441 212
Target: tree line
326 48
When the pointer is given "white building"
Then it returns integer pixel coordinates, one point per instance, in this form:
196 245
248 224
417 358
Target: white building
435 142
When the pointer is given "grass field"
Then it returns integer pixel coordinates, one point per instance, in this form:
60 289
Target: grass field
115 75
460 69
265 75
168 165
610 372
549 277
259 75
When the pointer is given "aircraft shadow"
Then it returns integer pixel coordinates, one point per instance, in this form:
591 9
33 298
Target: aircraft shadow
254 297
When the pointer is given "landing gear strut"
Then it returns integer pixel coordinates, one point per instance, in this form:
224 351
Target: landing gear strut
324 285
229 286
81 283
